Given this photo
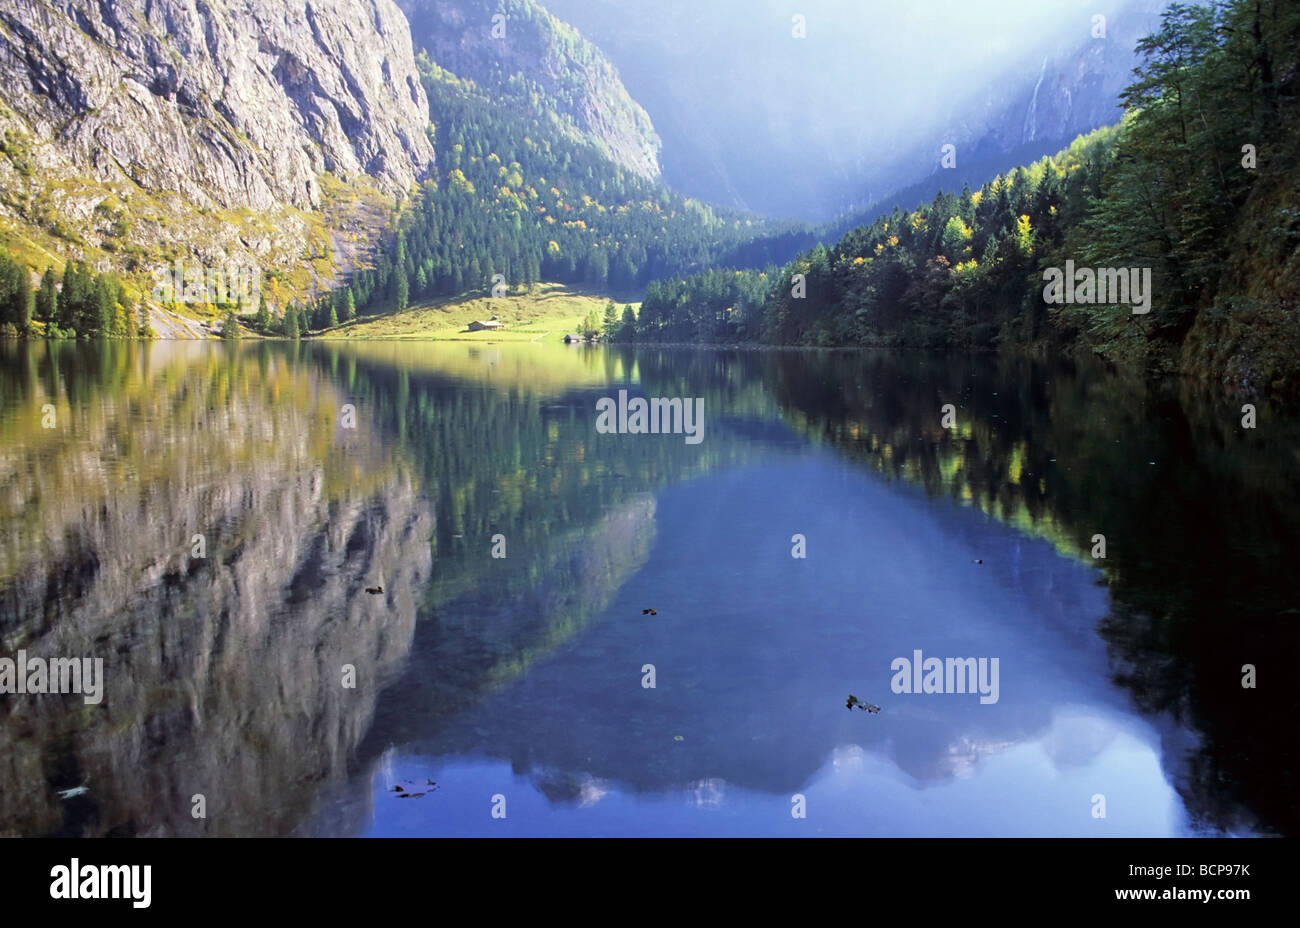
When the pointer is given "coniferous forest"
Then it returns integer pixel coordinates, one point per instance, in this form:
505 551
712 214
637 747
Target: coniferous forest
518 198
1199 182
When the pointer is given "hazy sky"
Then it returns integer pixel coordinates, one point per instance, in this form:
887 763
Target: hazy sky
726 82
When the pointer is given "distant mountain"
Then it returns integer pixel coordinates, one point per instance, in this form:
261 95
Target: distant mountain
754 118
566 72
1033 110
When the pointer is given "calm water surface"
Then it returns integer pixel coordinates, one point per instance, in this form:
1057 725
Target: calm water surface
202 518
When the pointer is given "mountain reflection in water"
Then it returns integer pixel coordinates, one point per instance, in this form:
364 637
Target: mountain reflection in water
522 676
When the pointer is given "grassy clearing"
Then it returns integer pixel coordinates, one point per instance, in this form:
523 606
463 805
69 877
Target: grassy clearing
546 316
545 367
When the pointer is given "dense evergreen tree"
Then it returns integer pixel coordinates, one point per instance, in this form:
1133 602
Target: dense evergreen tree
403 290
16 298
73 294
98 309
627 326
230 325
47 297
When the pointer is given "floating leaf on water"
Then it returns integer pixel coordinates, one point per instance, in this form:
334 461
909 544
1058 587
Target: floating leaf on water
864 706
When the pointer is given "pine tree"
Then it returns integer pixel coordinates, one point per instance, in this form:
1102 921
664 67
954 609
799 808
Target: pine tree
94 308
403 290
15 296
122 318
104 301
70 297
23 300
47 298
399 261
230 326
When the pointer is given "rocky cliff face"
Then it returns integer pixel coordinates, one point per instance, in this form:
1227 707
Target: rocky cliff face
228 104
528 42
268 135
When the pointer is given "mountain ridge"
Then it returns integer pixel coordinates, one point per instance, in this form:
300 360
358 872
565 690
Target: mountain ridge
572 72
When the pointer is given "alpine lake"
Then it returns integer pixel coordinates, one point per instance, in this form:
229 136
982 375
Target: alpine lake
410 588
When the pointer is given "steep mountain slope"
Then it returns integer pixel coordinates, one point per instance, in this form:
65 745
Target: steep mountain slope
200 130
528 48
228 105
